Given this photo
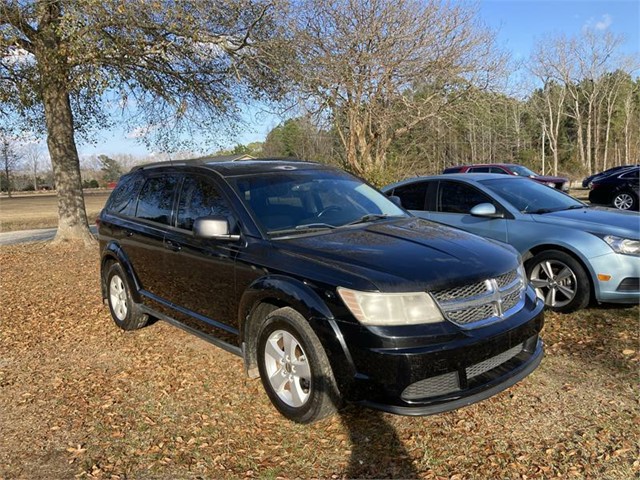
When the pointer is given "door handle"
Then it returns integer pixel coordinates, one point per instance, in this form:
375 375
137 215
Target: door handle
173 246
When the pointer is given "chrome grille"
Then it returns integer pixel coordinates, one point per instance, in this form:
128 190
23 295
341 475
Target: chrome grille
473 314
465 291
507 279
479 303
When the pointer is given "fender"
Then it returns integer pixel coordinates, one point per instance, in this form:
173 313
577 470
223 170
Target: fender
290 291
113 251
300 295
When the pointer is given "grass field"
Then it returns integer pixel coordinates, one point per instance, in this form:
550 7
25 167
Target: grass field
81 398
23 212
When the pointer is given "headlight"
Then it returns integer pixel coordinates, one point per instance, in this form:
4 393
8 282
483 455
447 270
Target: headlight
625 246
375 308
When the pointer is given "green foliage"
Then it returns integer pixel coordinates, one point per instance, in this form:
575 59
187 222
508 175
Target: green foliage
111 168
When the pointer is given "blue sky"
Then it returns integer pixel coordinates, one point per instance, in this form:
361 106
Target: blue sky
519 25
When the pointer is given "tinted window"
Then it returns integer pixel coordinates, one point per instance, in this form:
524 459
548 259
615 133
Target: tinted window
412 195
531 197
631 174
498 170
123 198
480 170
299 199
455 197
156 198
199 198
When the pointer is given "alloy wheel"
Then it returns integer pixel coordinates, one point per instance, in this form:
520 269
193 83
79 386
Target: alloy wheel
623 201
287 367
554 282
118 297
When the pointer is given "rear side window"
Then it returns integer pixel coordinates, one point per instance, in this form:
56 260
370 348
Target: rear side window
200 198
123 198
480 170
156 199
452 170
412 196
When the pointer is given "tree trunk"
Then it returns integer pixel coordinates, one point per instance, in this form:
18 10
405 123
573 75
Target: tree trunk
72 217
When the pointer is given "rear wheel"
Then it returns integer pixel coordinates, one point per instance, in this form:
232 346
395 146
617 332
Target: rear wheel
559 280
625 201
294 368
124 311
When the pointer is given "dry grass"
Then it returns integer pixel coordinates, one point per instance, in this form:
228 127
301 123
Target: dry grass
79 397
24 212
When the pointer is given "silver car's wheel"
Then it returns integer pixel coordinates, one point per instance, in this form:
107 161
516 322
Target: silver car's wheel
560 280
554 282
623 201
287 368
118 297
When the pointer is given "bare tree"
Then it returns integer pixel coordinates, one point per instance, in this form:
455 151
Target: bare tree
379 68
9 158
176 67
34 157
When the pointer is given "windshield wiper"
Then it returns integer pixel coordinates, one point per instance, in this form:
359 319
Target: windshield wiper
369 217
541 211
307 227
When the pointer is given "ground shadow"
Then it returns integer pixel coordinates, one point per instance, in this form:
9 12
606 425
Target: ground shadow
376 449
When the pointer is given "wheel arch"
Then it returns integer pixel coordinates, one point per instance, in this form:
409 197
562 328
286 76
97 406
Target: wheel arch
113 253
270 293
533 251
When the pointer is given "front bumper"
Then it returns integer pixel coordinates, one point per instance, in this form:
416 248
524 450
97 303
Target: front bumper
624 272
443 371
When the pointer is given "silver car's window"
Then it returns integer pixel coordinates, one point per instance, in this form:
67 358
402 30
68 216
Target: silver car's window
529 196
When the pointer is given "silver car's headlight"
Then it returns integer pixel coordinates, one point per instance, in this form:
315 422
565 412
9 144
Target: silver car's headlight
626 246
390 309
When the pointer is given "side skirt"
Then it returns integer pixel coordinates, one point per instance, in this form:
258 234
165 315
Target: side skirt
217 342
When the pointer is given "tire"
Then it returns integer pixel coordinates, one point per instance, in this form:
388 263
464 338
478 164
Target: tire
124 311
294 368
625 201
559 280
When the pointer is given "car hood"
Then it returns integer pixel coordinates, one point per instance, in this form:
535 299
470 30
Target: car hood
402 255
595 220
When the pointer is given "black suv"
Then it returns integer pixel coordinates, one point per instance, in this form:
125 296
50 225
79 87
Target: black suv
325 287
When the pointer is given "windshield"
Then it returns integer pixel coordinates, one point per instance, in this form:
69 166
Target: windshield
522 171
532 197
285 203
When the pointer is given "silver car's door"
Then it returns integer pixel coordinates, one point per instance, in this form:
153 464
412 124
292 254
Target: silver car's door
451 206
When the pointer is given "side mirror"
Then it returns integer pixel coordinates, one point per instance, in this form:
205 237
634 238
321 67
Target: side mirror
396 200
213 227
487 210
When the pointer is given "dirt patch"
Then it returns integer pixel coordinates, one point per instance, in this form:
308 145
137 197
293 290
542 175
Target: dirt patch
78 397
41 210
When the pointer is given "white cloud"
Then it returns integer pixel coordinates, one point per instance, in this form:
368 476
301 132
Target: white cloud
603 23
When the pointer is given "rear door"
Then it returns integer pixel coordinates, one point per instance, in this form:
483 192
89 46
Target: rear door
143 241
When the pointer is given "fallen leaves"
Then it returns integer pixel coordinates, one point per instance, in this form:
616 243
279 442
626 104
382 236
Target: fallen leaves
78 397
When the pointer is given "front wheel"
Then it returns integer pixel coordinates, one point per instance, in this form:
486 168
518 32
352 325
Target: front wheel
625 201
559 280
294 368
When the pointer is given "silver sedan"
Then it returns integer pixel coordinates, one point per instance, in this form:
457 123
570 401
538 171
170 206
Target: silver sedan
573 252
